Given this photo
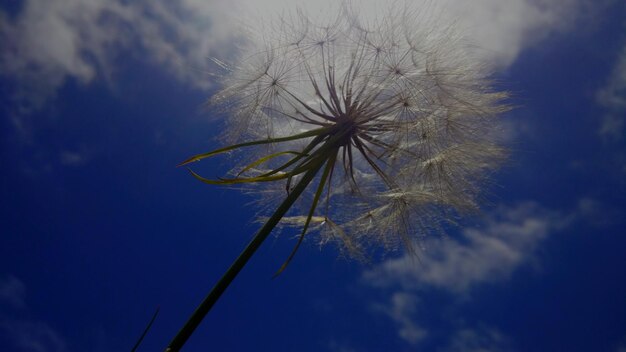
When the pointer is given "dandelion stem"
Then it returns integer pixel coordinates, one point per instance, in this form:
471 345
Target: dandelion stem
201 311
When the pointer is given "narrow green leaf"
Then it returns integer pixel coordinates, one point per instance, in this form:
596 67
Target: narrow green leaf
303 153
307 134
232 181
265 159
320 189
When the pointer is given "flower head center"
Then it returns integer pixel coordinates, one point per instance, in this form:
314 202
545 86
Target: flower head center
345 128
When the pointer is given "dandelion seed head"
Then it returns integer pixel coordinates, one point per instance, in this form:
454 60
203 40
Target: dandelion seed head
408 110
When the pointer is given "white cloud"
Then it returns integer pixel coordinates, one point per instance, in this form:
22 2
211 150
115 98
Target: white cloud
503 28
402 309
51 41
484 254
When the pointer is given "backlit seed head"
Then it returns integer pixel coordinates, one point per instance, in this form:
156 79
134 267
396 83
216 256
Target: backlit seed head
399 100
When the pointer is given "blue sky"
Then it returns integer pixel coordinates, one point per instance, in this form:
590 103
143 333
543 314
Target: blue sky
100 100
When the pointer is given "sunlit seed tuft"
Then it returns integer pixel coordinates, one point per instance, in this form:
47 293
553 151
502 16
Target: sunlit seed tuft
402 105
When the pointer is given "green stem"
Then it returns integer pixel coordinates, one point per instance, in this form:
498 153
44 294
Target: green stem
201 311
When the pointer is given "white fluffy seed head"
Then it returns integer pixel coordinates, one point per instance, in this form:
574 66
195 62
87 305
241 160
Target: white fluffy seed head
422 107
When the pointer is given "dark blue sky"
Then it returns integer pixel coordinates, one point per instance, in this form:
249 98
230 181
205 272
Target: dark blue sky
98 227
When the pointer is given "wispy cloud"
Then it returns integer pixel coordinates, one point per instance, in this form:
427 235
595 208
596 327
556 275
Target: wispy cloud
24 334
612 126
402 308
613 98
488 253
483 254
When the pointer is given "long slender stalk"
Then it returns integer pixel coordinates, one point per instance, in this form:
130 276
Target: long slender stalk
201 311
